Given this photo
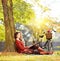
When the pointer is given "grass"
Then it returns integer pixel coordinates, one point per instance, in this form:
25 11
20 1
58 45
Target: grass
24 57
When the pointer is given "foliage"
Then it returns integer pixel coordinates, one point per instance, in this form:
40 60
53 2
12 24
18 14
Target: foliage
23 13
1 12
2 29
2 32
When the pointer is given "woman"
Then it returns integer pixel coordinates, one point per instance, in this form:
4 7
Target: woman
26 49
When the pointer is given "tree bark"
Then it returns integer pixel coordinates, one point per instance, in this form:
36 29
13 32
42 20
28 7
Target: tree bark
9 25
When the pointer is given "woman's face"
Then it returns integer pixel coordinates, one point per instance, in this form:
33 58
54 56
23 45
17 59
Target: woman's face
18 35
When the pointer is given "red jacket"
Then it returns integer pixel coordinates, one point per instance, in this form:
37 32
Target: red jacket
20 47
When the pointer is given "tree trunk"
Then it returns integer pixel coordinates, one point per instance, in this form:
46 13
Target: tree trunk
9 25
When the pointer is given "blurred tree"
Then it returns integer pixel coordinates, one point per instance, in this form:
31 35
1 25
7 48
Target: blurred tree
9 25
23 13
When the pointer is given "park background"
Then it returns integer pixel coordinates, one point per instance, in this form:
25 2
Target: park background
32 18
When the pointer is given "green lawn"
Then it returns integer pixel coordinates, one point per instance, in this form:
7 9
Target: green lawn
24 57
